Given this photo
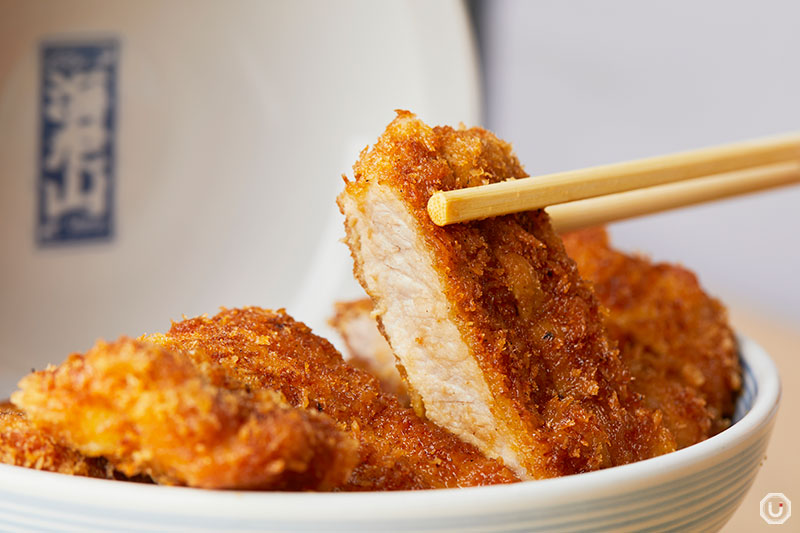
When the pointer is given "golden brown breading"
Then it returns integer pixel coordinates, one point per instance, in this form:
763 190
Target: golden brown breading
368 349
150 410
22 444
501 340
674 338
255 348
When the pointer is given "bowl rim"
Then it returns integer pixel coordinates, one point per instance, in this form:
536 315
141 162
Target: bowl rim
431 503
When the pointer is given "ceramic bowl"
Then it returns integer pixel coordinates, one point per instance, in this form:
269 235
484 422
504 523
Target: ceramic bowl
694 489
223 129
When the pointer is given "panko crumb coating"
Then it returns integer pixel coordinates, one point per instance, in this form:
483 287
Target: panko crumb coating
149 410
500 339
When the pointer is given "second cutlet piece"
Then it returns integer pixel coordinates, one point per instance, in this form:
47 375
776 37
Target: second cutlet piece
367 347
499 338
674 338
23 444
149 410
253 348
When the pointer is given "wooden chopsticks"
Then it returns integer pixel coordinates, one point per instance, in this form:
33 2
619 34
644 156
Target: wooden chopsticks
693 177
610 208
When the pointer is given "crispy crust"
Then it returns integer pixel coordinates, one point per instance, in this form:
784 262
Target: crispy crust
531 323
255 348
22 444
368 350
674 337
150 410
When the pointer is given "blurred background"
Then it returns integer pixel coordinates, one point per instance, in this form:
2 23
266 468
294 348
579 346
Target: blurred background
575 84
220 131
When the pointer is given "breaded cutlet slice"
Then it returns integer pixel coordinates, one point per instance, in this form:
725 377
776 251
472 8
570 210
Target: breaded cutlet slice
22 444
253 348
367 348
149 410
500 339
675 338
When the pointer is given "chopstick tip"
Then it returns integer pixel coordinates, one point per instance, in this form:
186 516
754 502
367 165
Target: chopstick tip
437 208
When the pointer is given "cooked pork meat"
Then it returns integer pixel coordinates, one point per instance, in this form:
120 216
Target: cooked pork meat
367 348
501 340
253 348
673 338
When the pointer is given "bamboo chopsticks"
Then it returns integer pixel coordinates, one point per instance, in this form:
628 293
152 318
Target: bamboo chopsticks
653 184
603 209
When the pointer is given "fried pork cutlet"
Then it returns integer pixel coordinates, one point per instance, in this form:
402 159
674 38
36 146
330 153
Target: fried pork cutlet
150 410
254 348
367 347
673 336
22 444
501 340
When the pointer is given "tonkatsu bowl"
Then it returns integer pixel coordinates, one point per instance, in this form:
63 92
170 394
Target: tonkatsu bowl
694 489
534 388
551 381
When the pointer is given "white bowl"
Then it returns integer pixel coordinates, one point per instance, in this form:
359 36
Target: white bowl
694 489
